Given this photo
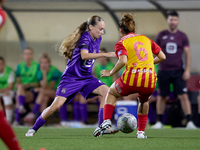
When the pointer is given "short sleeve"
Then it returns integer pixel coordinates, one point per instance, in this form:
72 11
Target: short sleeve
157 40
11 78
56 75
84 43
18 71
120 49
185 41
155 48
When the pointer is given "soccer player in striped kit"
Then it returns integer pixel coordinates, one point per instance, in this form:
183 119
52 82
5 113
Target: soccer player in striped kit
135 51
81 48
6 132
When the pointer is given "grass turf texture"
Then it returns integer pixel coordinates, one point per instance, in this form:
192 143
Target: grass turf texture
82 139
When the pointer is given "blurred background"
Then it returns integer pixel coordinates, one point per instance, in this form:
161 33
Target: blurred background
43 24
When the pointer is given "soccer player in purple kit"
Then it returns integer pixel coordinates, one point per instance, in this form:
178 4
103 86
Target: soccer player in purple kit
81 48
173 43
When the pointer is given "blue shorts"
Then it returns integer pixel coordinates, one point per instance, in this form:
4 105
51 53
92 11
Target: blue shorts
71 86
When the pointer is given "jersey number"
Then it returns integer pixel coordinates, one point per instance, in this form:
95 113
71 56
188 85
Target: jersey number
138 50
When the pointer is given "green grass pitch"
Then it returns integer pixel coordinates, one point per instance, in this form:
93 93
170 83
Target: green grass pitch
82 139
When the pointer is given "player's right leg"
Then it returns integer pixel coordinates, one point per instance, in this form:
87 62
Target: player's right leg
47 113
110 102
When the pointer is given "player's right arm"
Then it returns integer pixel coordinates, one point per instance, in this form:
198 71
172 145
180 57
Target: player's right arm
160 56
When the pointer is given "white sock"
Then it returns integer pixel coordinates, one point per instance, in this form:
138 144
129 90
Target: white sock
9 115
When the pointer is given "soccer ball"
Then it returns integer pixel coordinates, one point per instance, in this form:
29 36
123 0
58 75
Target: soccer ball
127 123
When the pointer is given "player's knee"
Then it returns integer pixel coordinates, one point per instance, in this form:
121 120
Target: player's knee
104 91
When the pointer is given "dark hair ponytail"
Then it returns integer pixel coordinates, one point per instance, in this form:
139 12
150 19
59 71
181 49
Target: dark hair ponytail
127 24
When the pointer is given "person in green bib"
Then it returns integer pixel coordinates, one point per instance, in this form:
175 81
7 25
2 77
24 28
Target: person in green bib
7 79
49 77
104 64
27 80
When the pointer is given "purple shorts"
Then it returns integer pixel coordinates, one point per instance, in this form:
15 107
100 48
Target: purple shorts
71 86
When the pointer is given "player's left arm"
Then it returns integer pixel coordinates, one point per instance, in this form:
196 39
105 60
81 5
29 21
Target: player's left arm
186 74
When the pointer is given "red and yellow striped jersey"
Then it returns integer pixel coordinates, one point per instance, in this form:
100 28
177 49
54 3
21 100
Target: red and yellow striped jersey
139 70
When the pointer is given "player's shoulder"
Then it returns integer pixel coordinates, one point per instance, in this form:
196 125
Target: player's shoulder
181 33
85 36
163 32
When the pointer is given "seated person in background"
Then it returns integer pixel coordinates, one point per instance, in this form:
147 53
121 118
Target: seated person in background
49 77
26 73
7 79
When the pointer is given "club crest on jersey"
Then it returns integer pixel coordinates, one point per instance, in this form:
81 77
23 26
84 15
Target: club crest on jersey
164 37
63 90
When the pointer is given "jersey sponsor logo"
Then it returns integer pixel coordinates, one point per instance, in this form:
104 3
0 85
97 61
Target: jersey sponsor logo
171 48
142 70
88 63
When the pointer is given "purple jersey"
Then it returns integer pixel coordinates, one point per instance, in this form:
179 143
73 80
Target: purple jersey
172 45
76 67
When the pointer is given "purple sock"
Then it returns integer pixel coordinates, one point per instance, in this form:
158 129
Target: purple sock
63 112
39 122
36 108
76 111
98 104
100 116
83 112
17 115
151 114
21 100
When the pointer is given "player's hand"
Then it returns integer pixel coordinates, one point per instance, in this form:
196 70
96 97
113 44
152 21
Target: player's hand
105 73
110 54
186 75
